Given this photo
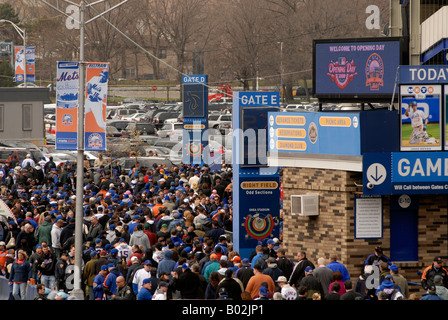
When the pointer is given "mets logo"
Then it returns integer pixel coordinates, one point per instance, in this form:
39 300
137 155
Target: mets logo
67 120
374 72
95 141
342 72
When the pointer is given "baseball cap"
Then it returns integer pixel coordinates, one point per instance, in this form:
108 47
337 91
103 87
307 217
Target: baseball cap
263 291
308 269
282 279
393 267
438 259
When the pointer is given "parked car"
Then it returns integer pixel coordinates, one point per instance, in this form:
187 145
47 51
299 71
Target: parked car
131 114
136 117
159 118
225 127
119 124
20 153
138 128
168 128
112 131
215 119
121 113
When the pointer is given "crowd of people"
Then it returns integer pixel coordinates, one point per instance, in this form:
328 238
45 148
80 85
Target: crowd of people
162 234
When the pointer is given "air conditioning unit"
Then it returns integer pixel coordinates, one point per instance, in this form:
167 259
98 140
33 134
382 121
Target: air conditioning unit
305 204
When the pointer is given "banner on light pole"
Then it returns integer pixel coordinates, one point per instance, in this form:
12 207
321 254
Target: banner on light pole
67 103
19 56
97 76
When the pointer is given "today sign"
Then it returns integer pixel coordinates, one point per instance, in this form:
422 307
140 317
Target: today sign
423 74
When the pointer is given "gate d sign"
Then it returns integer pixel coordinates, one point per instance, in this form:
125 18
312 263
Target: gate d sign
376 174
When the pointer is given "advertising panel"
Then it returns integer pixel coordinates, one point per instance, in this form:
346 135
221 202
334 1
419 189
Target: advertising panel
97 75
67 102
421 127
315 133
20 64
354 68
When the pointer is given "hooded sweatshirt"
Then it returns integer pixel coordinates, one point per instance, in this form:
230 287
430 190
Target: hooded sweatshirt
167 264
140 238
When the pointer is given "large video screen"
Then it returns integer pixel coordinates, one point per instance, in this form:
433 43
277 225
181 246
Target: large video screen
356 68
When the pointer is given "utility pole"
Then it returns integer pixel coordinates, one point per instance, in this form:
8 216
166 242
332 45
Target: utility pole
79 214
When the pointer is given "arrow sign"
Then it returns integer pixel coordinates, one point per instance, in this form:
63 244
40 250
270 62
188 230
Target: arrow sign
376 173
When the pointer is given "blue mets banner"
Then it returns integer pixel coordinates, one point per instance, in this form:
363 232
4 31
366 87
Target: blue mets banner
67 101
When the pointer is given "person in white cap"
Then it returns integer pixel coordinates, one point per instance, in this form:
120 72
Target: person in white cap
288 292
28 162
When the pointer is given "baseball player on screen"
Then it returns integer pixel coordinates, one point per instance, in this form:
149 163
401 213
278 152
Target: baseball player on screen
419 121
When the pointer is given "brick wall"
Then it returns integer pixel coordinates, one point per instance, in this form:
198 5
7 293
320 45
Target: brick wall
332 231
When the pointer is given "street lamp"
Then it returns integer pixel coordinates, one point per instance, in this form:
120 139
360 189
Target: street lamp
281 70
22 34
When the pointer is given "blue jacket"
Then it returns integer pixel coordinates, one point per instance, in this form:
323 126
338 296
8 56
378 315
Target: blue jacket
431 296
254 259
144 294
337 266
110 285
20 272
98 288
387 286
167 264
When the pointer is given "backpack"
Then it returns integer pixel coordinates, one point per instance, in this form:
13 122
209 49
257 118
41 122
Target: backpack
394 294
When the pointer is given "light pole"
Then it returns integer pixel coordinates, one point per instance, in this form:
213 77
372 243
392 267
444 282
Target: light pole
22 34
281 70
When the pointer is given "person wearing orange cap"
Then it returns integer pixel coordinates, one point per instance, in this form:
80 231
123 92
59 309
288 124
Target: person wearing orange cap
213 265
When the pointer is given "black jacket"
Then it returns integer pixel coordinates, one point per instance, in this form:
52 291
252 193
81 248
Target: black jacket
299 271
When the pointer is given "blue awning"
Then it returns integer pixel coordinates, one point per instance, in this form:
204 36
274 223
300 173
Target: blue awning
437 48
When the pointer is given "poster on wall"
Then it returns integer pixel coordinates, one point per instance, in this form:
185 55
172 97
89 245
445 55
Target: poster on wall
421 126
97 75
368 217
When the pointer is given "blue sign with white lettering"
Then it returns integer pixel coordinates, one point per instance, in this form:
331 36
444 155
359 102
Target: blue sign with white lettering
424 74
195 96
256 191
405 173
